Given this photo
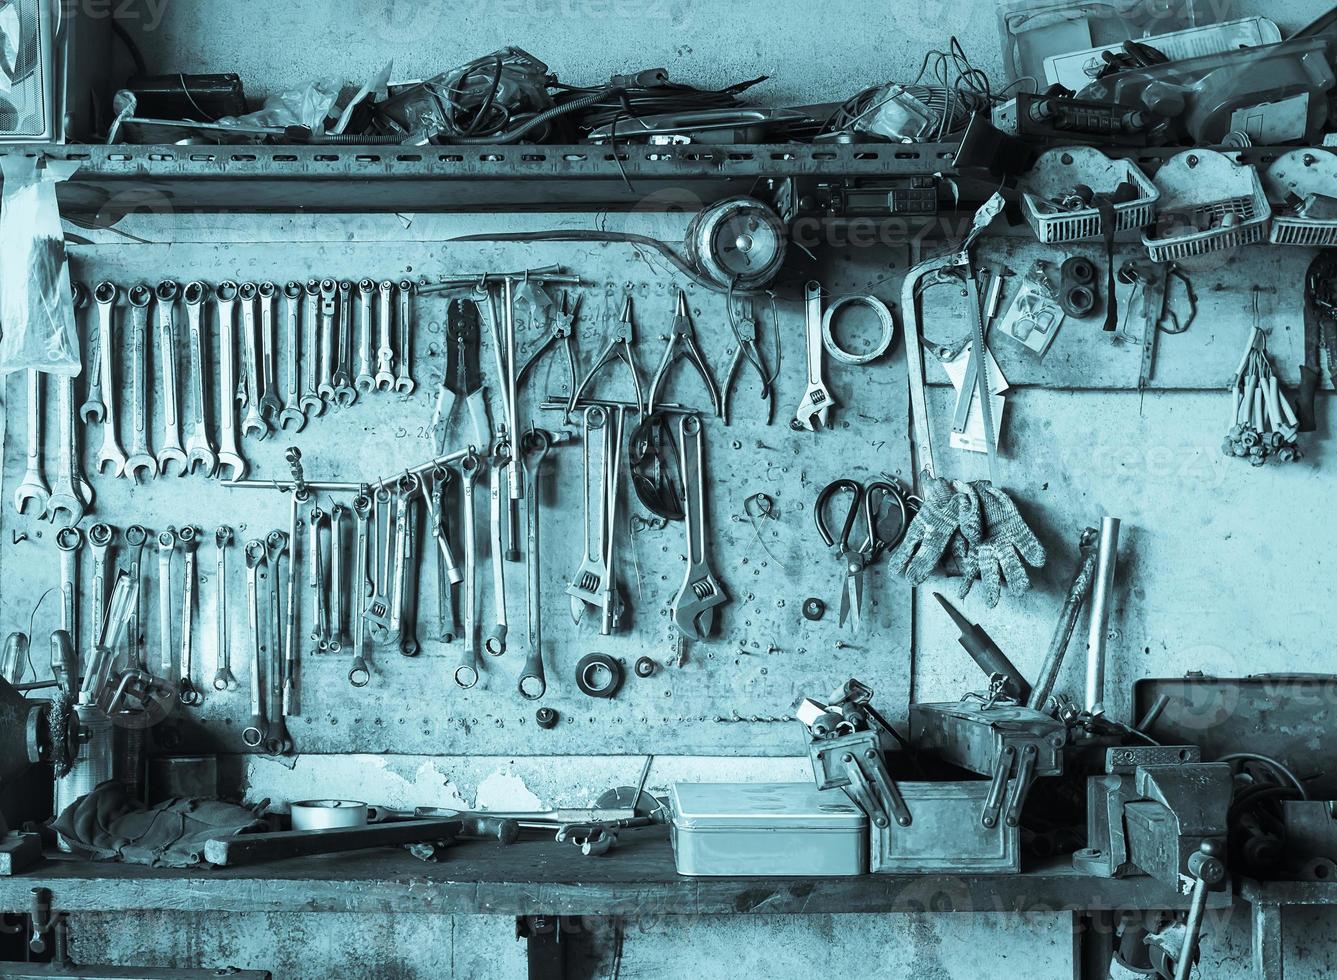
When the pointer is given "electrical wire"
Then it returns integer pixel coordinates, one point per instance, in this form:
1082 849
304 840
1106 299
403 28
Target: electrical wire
1276 766
611 105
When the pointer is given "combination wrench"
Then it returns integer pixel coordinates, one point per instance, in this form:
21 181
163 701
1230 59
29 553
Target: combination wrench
466 674
200 452
140 459
403 553
404 383
338 636
495 644
186 691
532 684
291 704
170 451
312 405
447 569
815 409
407 598
359 675
294 411
365 382
70 494
277 739
253 423
34 488
166 549
270 405
111 452
385 352
223 676
229 452
100 538
70 540
93 409
320 614
329 290
257 563
342 380
136 537
75 454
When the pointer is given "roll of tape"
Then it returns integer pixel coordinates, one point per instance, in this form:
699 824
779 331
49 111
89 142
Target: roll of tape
883 314
324 814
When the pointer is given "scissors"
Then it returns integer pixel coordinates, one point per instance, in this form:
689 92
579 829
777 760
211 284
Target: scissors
868 506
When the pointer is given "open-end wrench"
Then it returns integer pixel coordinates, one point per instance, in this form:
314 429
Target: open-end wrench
166 549
229 451
404 383
93 409
34 488
495 643
364 381
81 299
294 411
254 422
271 406
385 352
186 691
342 379
70 540
199 448
257 564
329 291
532 684
320 613
140 459
586 587
100 539
376 612
111 452
223 677
338 638
136 536
694 608
466 674
312 405
358 674
291 694
70 494
277 739
171 450
815 409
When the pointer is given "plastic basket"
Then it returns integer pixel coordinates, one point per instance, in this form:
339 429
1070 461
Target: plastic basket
1208 184
1058 171
1301 174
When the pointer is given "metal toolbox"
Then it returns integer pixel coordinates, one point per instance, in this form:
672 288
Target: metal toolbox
946 834
766 829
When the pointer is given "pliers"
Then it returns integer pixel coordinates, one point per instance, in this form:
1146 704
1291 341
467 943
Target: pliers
619 346
462 378
745 334
682 344
563 331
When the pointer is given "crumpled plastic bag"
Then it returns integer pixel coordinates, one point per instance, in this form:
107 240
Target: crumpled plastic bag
108 825
37 328
306 106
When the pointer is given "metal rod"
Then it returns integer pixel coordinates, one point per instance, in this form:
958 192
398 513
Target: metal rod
548 274
551 404
285 486
1107 555
1067 621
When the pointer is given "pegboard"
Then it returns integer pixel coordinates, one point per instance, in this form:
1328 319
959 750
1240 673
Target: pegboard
728 695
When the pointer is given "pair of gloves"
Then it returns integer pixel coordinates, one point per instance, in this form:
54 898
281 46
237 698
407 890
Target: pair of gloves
980 526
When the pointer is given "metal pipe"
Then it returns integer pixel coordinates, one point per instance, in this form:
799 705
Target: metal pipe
549 274
1107 555
285 486
1067 621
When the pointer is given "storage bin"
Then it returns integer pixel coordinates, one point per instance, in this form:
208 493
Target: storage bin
1058 171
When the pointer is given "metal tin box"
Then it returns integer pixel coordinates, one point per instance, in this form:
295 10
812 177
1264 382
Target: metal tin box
946 835
766 829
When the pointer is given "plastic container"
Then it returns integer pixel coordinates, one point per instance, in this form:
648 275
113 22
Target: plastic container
1058 171
782 830
1208 184
1301 174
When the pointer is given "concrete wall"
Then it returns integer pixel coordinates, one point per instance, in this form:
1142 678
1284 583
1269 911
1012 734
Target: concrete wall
815 52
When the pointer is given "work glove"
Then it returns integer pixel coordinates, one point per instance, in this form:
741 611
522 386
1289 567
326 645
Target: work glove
1008 545
948 517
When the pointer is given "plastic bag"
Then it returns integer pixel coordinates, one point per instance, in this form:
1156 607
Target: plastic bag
37 328
306 106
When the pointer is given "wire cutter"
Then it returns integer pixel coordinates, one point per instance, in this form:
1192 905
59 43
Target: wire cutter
682 344
563 332
462 378
866 507
619 346
745 336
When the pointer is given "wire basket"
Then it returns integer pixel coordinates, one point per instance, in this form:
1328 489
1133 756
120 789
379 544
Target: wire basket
1301 174
1208 188
1057 172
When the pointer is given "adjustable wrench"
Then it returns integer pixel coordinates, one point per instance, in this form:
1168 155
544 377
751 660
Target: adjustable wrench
70 540
358 674
100 538
229 454
93 409
404 383
344 392
70 494
293 408
223 677
136 536
447 569
364 382
466 674
166 548
186 691
694 608
34 487
532 684
338 636
320 614
312 405
140 459
377 611
385 353
199 448
815 409
277 740
271 407
111 451
254 422
328 306
257 560
495 643
593 584
170 451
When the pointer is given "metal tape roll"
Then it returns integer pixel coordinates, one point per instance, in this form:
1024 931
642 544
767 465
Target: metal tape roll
877 306
324 814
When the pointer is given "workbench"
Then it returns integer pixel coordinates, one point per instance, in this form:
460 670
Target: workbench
1266 899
